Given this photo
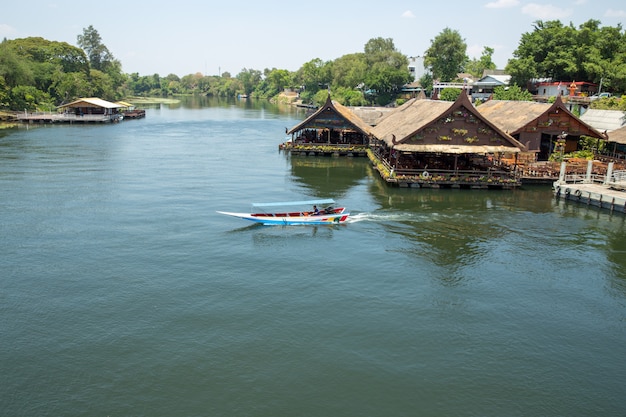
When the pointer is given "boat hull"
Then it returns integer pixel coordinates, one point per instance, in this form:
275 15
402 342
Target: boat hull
286 219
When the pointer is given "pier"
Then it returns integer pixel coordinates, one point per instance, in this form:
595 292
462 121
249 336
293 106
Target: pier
67 118
607 192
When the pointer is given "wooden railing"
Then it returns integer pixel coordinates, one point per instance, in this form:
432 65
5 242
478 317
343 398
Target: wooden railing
65 116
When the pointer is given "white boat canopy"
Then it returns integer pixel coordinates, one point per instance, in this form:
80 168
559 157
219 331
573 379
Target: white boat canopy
296 203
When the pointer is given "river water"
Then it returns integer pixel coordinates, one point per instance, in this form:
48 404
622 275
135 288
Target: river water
124 293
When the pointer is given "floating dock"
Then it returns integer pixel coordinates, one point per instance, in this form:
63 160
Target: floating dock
68 118
607 192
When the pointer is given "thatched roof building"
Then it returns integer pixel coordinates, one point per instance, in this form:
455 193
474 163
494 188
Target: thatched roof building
371 115
537 125
433 126
333 123
618 136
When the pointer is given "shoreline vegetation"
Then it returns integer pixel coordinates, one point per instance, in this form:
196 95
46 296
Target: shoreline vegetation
7 120
152 100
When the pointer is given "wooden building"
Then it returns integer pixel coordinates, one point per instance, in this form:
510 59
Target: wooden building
484 88
331 124
93 106
84 110
617 143
431 142
538 126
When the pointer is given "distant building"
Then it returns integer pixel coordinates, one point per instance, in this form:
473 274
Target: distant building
547 89
417 68
483 89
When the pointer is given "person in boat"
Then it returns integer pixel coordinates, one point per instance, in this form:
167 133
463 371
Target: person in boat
316 211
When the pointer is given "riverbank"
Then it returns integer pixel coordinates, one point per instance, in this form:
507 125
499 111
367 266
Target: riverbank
7 120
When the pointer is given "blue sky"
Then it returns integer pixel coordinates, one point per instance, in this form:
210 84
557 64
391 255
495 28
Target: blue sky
184 37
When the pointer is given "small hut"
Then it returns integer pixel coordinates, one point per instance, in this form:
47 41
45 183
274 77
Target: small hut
93 107
331 124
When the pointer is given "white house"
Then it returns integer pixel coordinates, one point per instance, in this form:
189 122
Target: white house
484 88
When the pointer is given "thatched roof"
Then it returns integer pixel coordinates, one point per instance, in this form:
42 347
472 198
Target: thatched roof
333 115
618 136
514 116
416 117
410 118
371 115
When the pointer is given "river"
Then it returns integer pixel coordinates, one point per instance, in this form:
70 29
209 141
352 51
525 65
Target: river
124 293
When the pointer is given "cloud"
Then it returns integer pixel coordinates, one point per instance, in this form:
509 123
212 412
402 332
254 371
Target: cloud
502 4
408 14
547 12
615 13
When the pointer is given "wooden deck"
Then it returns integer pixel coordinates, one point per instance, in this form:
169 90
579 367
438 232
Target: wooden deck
134 114
67 118
322 149
489 178
604 191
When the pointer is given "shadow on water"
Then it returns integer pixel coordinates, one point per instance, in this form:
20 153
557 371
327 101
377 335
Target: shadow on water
277 237
327 177
461 229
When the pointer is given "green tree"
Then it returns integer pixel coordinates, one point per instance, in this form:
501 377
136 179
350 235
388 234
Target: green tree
68 86
4 93
513 92
100 57
102 85
276 80
349 71
387 69
37 50
566 53
249 78
476 67
450 94
446 55
426 82
609 103
14 69
26 97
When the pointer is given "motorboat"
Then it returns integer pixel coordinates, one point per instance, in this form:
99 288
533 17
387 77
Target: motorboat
293 213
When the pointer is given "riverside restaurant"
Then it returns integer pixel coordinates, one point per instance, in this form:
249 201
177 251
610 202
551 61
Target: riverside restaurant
83 110
423 143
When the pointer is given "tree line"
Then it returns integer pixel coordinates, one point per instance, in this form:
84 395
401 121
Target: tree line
39 74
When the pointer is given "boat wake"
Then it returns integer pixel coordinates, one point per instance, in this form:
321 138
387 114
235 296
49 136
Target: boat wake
385 217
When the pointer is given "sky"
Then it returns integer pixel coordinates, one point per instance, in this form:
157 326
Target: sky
187 37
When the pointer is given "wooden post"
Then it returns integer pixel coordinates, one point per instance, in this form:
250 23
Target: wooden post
589 169
562 173
609 173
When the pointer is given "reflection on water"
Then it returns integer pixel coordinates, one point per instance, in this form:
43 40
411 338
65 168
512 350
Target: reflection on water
327 177
122 285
